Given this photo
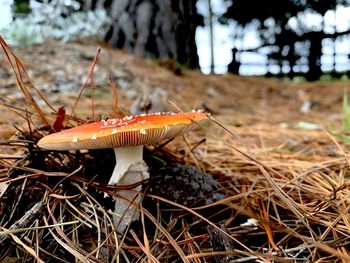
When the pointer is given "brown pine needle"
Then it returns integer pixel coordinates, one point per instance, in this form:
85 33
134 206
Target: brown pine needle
83 86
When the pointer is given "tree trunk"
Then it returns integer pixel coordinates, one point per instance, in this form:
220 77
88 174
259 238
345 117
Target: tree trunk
211 33
314 58
162 29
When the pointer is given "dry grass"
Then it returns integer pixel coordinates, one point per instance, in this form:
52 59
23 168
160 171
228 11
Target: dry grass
294 183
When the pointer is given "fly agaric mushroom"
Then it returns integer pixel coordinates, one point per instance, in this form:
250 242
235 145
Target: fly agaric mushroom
127 137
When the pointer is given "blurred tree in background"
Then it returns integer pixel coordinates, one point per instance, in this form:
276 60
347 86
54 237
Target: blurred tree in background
286 41
285 34
153 28
162 29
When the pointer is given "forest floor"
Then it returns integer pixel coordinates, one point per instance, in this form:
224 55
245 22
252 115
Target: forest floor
270 145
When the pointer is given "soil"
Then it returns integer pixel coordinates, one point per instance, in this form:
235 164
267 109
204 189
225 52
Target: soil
59 69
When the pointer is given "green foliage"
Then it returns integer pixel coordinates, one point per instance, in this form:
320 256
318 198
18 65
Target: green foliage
23 33
21 6
53 19
342 137
345 120
158 159
346 113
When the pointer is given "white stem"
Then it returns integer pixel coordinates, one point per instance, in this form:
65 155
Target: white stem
124 158
130 169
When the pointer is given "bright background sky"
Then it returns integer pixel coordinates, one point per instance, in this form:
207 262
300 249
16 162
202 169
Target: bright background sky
340 19
222 40
5 12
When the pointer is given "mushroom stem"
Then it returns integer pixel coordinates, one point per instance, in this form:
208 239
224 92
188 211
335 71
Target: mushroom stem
130 169
124 158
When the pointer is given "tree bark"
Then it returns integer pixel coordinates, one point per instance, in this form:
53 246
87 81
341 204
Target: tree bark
315 52
162 29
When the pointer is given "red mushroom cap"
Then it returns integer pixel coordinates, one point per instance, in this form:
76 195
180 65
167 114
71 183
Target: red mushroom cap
124 132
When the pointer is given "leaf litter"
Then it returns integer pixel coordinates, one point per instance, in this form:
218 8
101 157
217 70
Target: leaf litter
290 180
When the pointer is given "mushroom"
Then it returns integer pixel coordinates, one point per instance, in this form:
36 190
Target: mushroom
127 137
